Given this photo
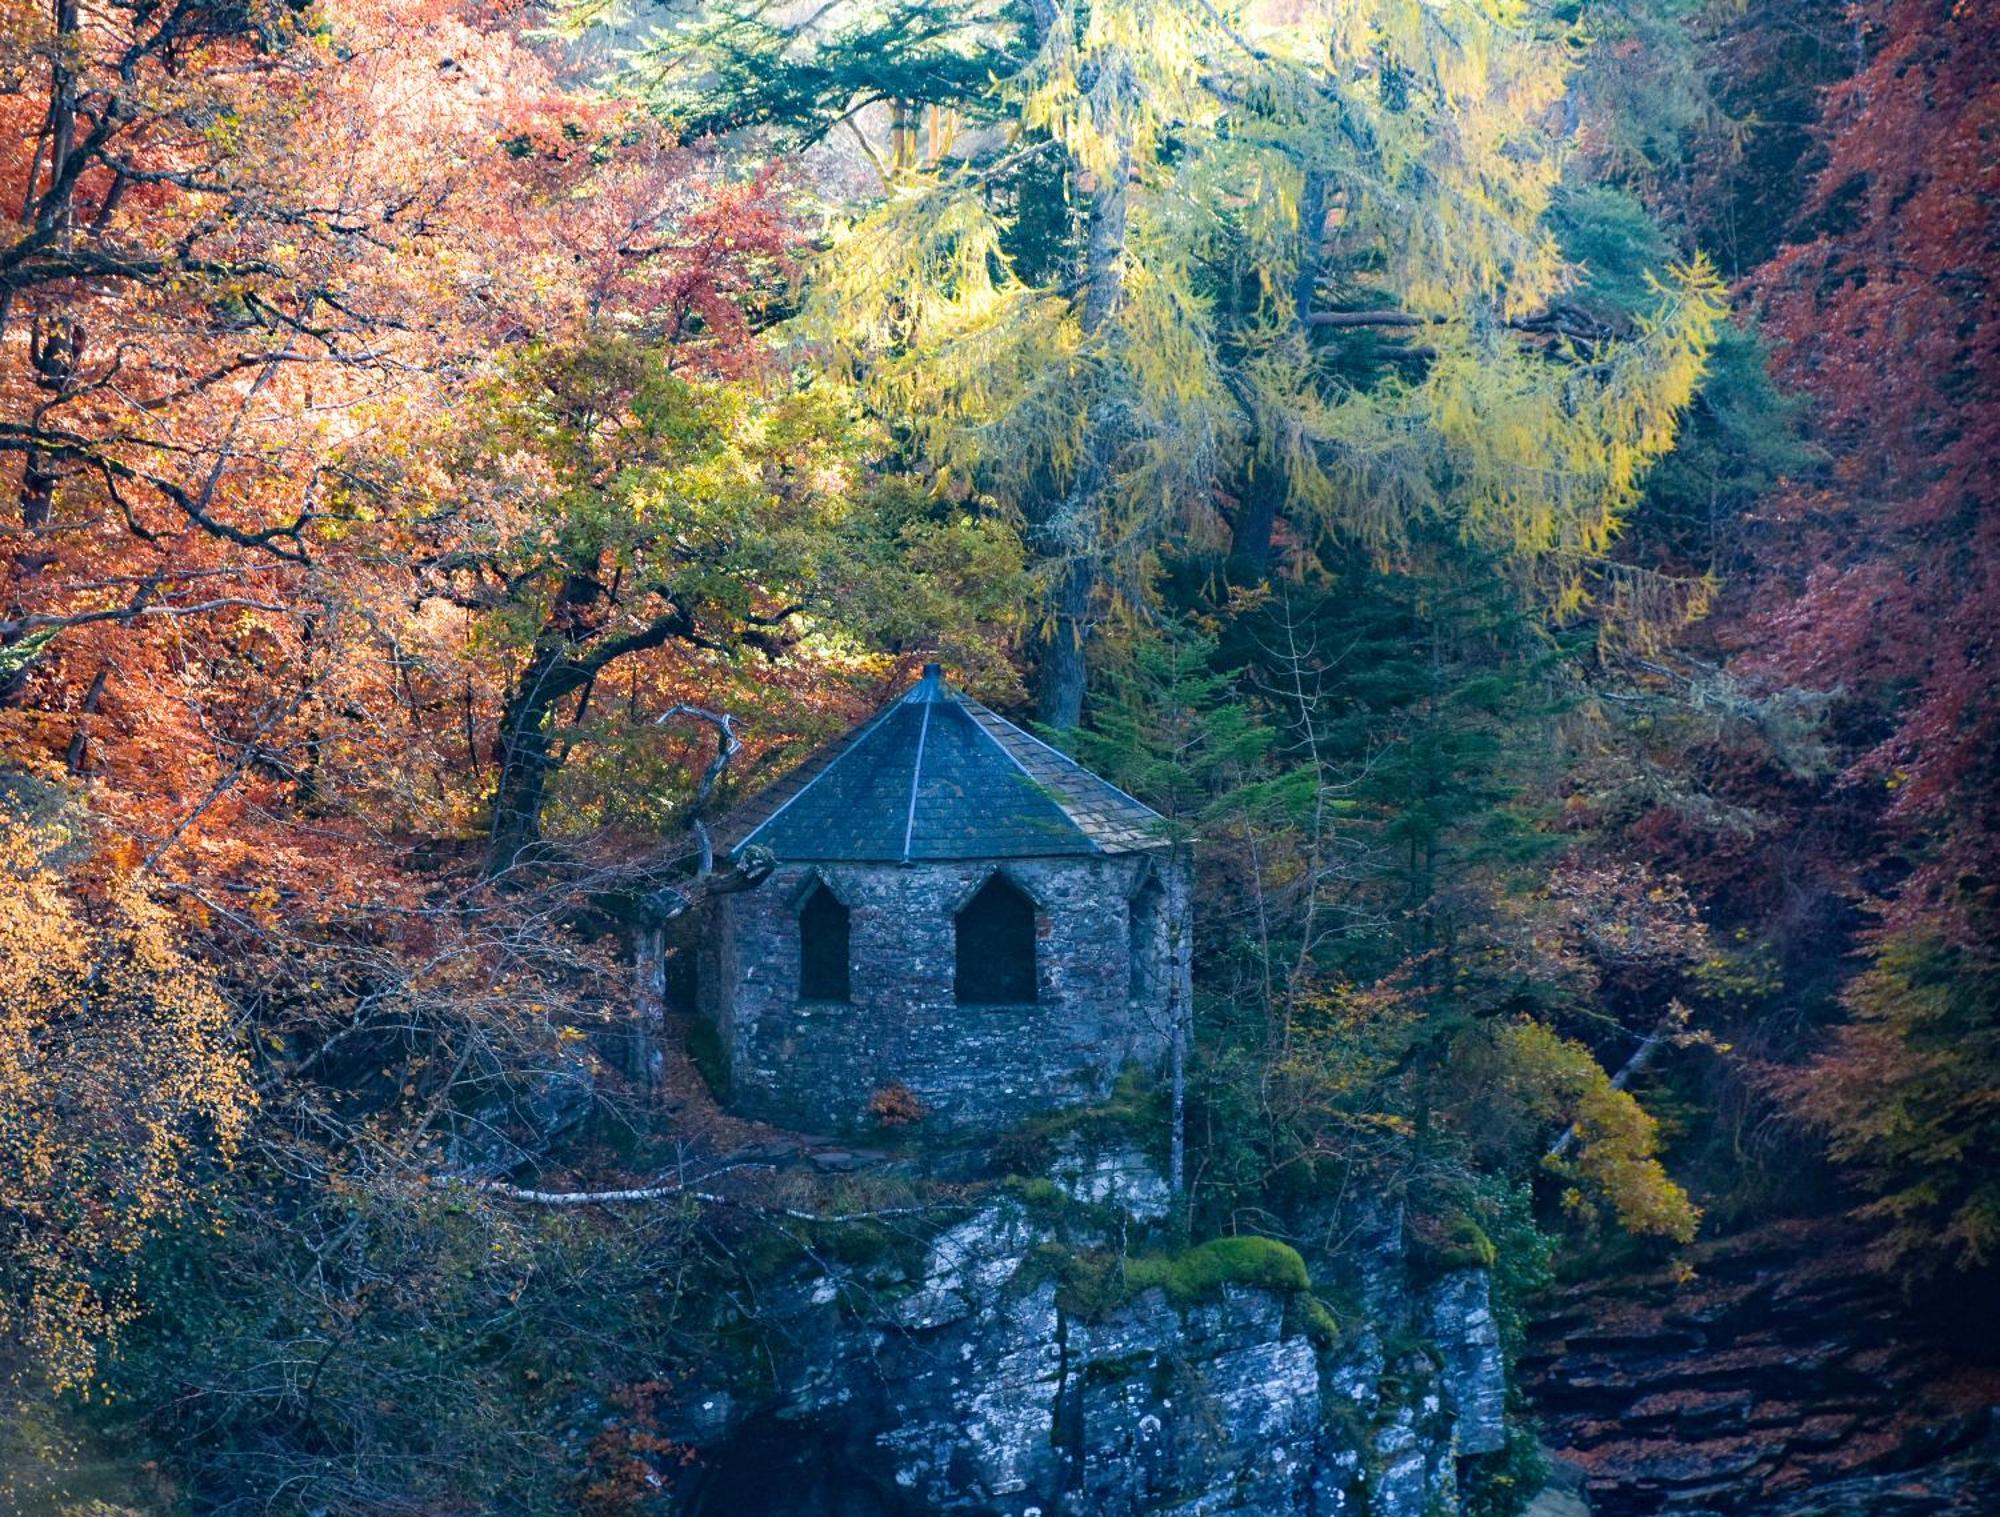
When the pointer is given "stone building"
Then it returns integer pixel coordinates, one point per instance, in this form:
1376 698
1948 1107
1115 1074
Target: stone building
959 912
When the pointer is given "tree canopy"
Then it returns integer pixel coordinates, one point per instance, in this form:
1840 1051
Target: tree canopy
1511 484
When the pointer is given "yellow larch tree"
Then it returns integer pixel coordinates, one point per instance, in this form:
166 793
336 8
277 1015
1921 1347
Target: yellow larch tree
1183 270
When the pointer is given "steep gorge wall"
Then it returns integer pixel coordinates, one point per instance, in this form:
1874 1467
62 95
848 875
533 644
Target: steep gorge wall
1786 1379
974 1382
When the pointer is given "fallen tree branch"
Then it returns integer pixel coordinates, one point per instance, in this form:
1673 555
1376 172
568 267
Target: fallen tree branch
676 1191
1557 321
1641 1057
1367 319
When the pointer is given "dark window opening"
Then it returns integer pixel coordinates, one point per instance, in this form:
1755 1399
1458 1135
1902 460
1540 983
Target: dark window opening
683 977
1147 942
996 946
823 948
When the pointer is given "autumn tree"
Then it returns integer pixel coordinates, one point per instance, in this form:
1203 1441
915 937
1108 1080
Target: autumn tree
1881 315
196 321
121 1090
217 346
278 271
606 507
1255 209
1884 587
1903 1094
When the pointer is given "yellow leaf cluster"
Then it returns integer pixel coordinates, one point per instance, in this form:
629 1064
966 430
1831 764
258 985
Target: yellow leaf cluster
1429 129
118 1074
1614 1154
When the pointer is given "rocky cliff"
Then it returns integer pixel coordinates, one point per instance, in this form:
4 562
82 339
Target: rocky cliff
1784 1379
1040 1356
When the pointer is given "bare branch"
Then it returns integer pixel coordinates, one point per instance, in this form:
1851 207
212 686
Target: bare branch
1367 319
676 1191
22 626
727 746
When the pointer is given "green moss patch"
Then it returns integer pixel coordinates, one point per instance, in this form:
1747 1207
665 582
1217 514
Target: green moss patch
1199 1273
1093 1284
710 1059
1307 1314
1439 1245
1038 1195
1136 1112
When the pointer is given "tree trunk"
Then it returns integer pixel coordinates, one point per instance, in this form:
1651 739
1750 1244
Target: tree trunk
55 343
79 742
1250 538
55 348
649 1004
1063 672
1178 1051
1180 1009
569 654
524 752
1104 266
1264 483
1073 528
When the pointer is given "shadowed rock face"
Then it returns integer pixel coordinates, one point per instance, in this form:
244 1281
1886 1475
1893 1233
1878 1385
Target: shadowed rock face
1786 1380
1474 1371
968 1385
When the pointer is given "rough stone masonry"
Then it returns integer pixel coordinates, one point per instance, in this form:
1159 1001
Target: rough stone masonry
924 828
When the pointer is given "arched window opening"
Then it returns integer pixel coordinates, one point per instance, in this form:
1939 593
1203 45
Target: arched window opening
1147 940
683 975
823 948
996 946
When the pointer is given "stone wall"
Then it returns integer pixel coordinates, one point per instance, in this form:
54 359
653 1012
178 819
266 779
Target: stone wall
816 1065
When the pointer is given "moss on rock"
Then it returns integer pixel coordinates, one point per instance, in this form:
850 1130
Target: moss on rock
1449 1243
1092 1284
1199 1273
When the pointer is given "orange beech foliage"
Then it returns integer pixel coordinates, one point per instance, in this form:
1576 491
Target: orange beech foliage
251 250
1880 582
1885 315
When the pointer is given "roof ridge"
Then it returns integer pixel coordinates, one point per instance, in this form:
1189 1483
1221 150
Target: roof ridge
917 771
978 786
845 745
1055 797
1058 753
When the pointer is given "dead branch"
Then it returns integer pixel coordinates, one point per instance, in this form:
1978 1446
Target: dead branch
727 746
677 1191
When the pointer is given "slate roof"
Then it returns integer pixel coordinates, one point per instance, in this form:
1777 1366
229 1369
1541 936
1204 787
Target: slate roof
936 775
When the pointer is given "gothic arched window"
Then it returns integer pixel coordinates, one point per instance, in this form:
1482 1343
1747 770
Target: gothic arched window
1147 926
823 948
996 946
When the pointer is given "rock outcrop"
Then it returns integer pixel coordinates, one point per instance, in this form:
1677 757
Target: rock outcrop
1459 1310
991 1376
1786 1379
